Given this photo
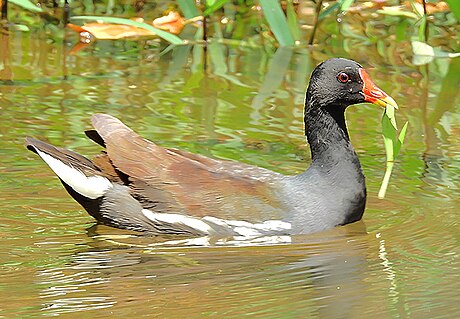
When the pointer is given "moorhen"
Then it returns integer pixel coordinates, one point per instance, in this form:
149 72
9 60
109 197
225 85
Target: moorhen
137 185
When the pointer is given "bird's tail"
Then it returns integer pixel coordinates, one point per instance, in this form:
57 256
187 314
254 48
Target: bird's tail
83 180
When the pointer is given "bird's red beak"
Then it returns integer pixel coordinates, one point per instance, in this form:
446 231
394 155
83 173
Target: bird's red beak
373 94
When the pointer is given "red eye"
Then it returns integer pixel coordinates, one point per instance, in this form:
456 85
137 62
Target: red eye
343 77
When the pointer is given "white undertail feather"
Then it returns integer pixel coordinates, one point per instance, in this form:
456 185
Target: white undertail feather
88 186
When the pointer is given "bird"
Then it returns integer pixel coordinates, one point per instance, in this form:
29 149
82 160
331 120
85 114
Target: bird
137 185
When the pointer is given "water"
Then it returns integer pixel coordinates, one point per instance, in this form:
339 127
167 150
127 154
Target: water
400 261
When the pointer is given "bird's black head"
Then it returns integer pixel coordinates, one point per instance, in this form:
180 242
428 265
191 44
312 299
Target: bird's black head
338 83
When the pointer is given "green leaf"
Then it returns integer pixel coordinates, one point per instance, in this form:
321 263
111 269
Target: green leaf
397 11
348 32
400 141
188 8
390 113
292 21
277 22
438 53
342 4
454 5
346 4
21 27
389 135
421 59
417 8
26 4
422 28
328 10
392 146
424 53
213 5
162 34
421 48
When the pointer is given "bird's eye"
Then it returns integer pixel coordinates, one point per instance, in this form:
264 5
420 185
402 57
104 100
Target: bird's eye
343 77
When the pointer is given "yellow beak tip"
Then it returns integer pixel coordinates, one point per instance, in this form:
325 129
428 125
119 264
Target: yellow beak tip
389 101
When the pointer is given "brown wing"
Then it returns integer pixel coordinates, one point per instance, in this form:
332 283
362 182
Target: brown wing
168 180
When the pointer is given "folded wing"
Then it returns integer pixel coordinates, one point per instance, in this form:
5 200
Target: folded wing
173 181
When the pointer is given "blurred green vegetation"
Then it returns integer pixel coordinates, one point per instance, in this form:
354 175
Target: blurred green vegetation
279 23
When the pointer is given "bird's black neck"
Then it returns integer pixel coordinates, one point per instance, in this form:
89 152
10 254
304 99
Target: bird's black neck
327 134
335 165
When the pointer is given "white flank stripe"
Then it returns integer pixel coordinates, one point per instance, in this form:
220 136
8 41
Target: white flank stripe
205 224
91 187
247 229
178 219
247 232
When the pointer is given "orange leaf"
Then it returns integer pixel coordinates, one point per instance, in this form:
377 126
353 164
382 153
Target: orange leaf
109 31
77 47
115 31
431 8
172 23
76 28
85 36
